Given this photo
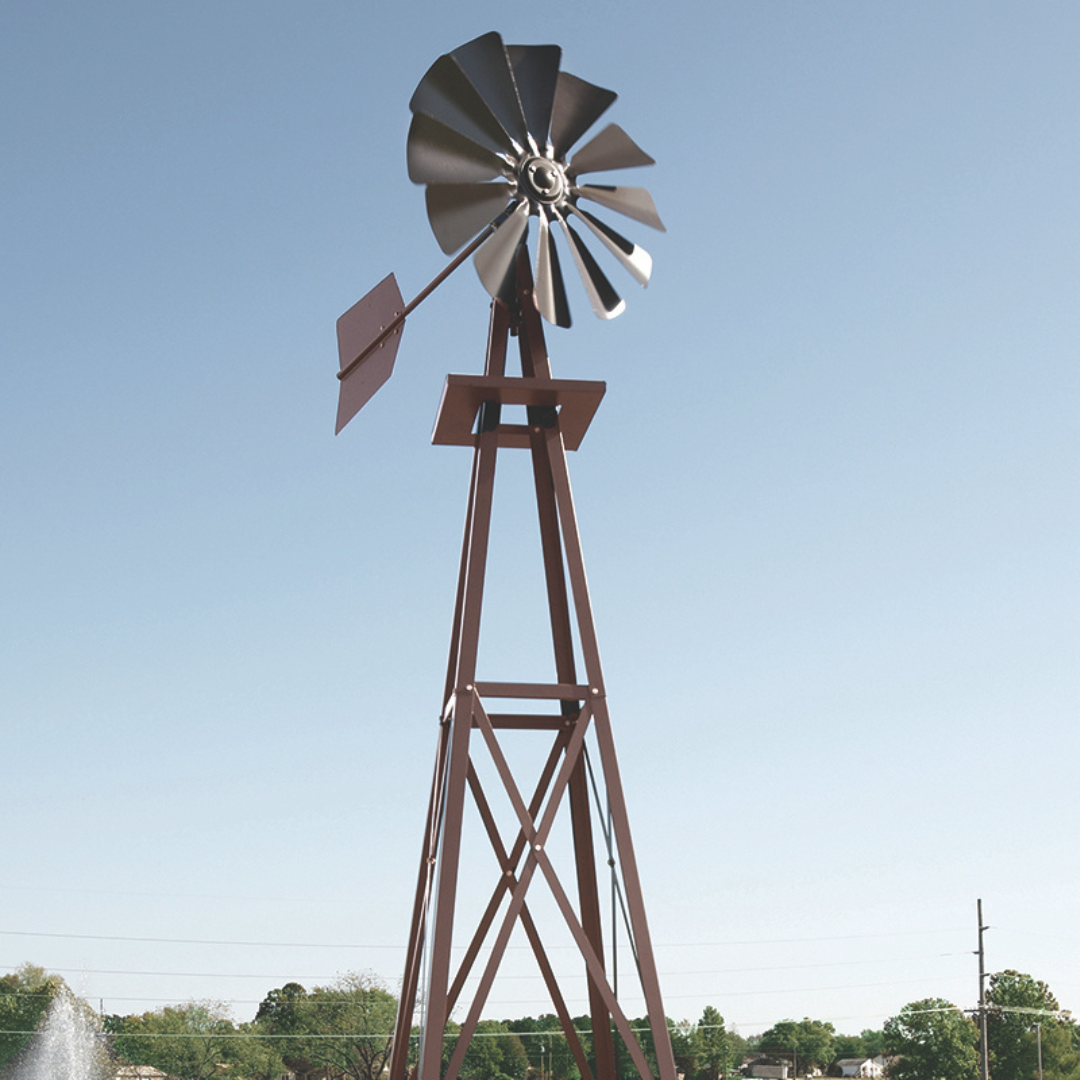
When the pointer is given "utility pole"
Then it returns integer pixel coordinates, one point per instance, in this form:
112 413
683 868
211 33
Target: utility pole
984 1056
1038 1036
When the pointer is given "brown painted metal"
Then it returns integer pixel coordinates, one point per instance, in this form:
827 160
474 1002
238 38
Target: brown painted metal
455 422
470 414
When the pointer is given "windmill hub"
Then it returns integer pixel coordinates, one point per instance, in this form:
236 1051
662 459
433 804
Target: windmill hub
543 180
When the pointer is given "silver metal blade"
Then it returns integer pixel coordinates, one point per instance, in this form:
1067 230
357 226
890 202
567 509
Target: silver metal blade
457 212
636 259
439 155
487 67
494 261
611 149
550 289
356 330
445 94
578 105
634 202
536 72
604 299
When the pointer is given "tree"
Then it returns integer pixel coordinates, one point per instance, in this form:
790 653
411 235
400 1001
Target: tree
933 1040
546 1046
873 1041
193 1041
25 996
809 1042
284 1014
494 1053
711 1046
346 1027
1017 1003
867 1044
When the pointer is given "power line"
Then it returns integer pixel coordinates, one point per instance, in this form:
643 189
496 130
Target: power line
191 941
353 945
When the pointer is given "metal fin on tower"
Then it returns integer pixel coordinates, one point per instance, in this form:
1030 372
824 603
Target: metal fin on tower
445 94
634 202
536 72
606 302
487 67
636 259
578 105
495 260
550 290
611 149
457 212
437 154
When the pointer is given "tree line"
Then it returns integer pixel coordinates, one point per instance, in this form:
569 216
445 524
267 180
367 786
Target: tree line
342 1032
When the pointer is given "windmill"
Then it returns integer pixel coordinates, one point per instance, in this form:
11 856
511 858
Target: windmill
492 139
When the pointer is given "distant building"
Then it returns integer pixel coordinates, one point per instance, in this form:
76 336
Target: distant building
139 1072
769 1072
873 1067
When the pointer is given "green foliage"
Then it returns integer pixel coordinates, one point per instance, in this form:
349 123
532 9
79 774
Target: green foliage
809 1041
867 1044
1017 1003
494 1053
194 1041
712 1047
933 1040
346 1027
547 1048
25 997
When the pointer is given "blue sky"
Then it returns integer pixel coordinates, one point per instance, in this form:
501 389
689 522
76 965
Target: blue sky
829 504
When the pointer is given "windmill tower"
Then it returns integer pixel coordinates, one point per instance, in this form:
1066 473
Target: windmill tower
491 138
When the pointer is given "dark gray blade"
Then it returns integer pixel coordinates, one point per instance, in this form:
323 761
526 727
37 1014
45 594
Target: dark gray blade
487 67
611 149
604 299
550 289
439 155
495 260
446 95
578 105
536 72
636 259
457 212
634 202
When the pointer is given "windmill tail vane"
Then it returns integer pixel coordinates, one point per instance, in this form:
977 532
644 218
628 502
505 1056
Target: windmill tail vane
492 139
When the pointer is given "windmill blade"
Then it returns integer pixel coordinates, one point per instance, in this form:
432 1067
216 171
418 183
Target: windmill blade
445 94
357 330
605 301
536 72
550 288
578 105
487 67
611 149
439 155
634 202
636 259
457 212
495 260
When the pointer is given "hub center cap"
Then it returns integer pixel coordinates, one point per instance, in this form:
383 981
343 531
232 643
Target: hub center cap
543 180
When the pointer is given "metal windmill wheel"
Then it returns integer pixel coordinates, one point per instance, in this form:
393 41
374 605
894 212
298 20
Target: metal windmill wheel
492 130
